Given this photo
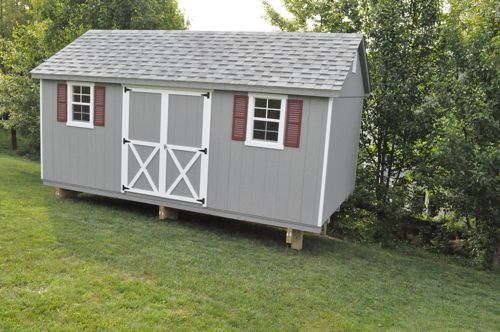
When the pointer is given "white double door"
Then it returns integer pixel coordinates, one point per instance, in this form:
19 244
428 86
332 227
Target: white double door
165 138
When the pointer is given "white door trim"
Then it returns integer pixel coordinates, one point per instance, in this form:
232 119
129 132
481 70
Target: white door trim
165 149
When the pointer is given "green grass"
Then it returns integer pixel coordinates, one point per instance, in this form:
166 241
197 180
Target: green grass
102 264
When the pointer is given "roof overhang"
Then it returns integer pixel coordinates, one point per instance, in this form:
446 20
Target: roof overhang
191 85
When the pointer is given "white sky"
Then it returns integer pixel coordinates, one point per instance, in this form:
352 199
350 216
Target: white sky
228 15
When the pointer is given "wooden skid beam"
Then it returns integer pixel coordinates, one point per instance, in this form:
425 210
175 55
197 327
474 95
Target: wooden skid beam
294 238
167 213
65 193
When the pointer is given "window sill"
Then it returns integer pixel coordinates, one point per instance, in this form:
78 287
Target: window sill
264 144
87 125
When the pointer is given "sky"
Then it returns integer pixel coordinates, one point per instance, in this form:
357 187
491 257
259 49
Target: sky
228 15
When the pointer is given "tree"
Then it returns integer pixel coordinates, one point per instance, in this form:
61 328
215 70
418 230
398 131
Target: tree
402 55
465 163
12 13
52 24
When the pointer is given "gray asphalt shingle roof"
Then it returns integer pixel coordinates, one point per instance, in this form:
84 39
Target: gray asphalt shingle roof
317 61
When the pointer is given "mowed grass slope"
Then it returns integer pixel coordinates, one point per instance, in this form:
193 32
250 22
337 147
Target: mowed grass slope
101 264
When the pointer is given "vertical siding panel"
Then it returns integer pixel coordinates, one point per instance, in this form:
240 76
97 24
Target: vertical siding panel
48 115
297 169
271 189
249 181
234 183
256 182
312 163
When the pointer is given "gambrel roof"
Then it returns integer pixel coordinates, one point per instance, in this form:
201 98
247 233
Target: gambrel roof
291 62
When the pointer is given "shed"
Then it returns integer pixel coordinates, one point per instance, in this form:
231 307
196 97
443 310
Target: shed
255 126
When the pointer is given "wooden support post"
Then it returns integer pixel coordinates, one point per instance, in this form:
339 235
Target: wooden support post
167 213
294 238
65 193
324 229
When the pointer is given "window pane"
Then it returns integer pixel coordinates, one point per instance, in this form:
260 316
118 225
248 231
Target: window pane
76 98
77 115
259 125
275 103
273 114
86 109
86 117
77 89
259 102
273 126
260 113
86 90
272 136
86 99
258 134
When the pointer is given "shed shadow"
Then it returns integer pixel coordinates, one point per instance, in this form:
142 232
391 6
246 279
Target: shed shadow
263 234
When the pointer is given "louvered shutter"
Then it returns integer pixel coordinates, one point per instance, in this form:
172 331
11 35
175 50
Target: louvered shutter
99 103
240 109
293 122
62 102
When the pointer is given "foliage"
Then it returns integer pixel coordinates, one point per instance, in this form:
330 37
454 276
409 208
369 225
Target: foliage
19 97
431 122
49 25
96 263
466 159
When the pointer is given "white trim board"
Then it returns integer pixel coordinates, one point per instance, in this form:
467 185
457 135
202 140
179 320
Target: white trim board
41 130
325 162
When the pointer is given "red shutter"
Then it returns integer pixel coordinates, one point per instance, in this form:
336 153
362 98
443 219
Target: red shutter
99 102
293 122
240 108
62 102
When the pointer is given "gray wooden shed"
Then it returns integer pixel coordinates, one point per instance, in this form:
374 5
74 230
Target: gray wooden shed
254 126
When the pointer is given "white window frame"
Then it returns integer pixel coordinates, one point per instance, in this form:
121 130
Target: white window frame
250 141
81 124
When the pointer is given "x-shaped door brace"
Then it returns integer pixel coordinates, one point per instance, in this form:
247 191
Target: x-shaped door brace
143 167
183 171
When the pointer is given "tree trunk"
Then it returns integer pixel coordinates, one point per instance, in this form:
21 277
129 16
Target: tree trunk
13 139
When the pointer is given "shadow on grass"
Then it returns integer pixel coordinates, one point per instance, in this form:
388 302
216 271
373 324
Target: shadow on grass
265 235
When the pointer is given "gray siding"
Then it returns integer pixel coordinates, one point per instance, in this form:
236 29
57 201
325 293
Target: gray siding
246 183
353 84
81 156
264 182
343 152
344 141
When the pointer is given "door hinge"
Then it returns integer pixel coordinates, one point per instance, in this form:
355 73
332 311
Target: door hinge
125 141
205 150
201 200
125 89
125 188
206 95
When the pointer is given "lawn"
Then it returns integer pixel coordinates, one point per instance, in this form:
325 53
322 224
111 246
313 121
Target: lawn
101 264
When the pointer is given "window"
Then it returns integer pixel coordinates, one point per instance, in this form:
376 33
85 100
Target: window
80 105
265 125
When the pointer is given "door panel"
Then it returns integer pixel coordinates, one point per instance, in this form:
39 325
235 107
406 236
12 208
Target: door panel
143 147
145 116
184 142
165 137
185 120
